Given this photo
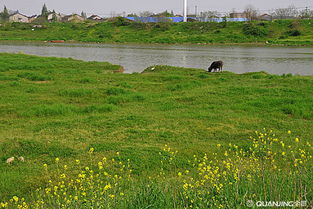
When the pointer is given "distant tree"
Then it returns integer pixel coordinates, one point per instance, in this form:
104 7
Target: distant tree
132 15
146 14
4 16
163 14
44 11
251 12
84 15
306 14
208 14
233 10
286 13
224 23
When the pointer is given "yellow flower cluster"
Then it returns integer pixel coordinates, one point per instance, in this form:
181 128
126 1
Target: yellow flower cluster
90 187
265 166
216 178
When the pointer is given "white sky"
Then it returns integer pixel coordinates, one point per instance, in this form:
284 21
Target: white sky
106 7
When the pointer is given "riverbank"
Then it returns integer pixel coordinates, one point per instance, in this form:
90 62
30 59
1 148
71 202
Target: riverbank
55 111
279 32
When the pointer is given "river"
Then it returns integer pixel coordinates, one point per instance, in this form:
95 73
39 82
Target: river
137 57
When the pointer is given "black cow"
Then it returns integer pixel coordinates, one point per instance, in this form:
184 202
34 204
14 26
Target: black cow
216 66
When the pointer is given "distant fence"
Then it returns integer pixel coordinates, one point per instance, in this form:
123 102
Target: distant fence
181 19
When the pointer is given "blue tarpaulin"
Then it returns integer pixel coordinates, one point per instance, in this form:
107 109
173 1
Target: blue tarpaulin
180 19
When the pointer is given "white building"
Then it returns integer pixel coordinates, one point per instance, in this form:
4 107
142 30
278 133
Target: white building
95 18
55 16
73 18
17 17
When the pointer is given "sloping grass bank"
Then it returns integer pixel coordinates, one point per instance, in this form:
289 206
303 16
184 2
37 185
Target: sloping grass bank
61 108
119 30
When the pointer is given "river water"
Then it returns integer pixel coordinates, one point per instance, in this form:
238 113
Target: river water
137 57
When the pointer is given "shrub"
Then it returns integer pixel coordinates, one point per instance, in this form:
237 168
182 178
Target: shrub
120 21
162 26
294 32
139 25
294 24
253 30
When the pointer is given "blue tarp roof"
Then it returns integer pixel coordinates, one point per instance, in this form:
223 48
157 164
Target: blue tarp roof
180 19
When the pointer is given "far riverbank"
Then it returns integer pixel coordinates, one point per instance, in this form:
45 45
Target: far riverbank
258 33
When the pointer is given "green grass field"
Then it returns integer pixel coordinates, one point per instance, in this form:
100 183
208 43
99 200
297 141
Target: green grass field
278 32
82 111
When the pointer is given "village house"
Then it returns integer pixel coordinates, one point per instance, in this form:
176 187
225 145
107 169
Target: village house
95 18
238 15
73 18
17 17
32 18
53 16
266 17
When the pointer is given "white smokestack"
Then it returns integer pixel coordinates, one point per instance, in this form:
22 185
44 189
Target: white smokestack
185 10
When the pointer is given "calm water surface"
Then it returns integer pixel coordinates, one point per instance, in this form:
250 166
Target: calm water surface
135 58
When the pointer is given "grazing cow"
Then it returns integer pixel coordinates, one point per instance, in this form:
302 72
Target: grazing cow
216 66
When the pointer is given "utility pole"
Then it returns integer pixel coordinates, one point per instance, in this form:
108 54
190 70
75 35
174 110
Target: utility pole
196 10
185 10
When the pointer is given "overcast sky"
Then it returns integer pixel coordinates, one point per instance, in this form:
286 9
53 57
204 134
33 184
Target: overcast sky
106 7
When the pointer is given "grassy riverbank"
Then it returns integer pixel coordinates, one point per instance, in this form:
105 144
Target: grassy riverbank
80 112
279 32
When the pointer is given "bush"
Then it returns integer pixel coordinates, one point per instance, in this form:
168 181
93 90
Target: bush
199 27
253 30
294 32
120 21
21 26
162 26
294 24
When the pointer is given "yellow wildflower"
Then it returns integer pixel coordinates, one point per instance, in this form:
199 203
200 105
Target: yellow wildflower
15 198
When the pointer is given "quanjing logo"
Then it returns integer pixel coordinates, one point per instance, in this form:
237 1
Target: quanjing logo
251 203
